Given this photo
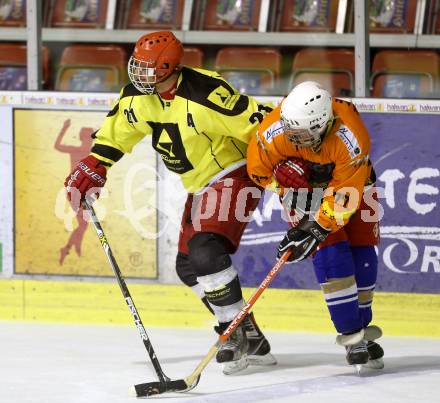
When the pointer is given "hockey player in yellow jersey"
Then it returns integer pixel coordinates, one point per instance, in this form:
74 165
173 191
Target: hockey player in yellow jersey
312 140
200 126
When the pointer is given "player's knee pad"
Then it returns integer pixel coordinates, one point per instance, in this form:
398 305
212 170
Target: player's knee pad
216 275
207 253
188 276
365 261
185 271
333 261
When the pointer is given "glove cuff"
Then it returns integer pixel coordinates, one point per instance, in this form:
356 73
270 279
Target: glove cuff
92 161
310 225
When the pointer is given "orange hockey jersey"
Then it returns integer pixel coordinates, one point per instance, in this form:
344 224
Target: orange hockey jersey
345 148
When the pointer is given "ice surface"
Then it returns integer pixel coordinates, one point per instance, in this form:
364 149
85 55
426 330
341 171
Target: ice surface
53 363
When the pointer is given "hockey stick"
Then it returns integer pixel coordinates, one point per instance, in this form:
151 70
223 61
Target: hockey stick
191 381
165 384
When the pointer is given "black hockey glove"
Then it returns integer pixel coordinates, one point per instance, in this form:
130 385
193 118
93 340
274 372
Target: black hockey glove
302 240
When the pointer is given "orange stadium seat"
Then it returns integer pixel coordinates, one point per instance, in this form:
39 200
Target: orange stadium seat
230 15
77 14
166 14
332 68
405 74
13 70
250 70
392 17
308 16
94 68
192 57
13 13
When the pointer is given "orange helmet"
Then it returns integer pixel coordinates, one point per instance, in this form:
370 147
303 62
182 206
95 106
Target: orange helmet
155 57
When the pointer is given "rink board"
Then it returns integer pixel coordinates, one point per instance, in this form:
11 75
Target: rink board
398 314
409 254
406 162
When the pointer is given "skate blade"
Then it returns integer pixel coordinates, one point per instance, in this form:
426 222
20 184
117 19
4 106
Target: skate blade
232 367
375 364
267 359
358 369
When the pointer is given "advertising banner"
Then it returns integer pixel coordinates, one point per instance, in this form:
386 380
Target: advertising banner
406 156
6 192
406 159
50 238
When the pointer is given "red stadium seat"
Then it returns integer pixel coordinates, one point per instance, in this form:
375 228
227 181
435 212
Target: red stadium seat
332 68
405 74
78 14
230 15
13 70
13 13
94 68
192 57
308 16
250 70
166 14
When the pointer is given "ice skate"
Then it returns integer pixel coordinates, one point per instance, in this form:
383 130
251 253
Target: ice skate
259 347
375 351
233 353
356 349
357 355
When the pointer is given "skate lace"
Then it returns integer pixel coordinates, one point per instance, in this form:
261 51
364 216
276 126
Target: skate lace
252 332
357 348
232 343
248 325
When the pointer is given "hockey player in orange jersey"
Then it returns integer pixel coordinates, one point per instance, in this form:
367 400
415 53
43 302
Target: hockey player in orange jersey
313 141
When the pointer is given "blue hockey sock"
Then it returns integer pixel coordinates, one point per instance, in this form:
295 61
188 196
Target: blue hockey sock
365 261
335 270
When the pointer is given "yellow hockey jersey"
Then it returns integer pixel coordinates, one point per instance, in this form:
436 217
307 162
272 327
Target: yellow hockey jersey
202 131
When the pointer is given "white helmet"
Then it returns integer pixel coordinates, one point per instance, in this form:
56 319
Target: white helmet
305 113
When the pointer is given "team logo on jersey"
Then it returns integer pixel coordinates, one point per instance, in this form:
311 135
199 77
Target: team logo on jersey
165 144
222 97
274 130
350 141
167 141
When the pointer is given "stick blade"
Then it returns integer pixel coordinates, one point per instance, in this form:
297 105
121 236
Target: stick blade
157 388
